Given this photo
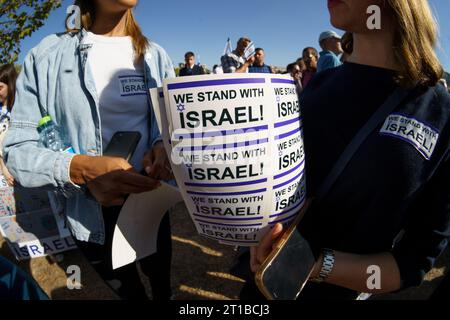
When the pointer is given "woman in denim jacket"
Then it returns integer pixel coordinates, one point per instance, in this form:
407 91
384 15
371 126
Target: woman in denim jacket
93 81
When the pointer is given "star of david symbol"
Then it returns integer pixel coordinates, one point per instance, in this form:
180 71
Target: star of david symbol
181 107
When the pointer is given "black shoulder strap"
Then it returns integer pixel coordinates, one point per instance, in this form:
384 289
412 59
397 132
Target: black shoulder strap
380 115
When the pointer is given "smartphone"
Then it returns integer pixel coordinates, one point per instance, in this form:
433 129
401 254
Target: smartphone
287 269
123 144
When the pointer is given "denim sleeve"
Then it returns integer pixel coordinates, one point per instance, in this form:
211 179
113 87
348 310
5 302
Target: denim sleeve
31 165
427 231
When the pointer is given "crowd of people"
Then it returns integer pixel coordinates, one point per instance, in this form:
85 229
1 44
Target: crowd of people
388 206
302 70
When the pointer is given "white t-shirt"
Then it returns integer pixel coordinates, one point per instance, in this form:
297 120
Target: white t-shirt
121 91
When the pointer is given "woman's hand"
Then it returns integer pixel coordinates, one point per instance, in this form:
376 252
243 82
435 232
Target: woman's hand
86 168
109 179
8 177
111 188
259 253
156 163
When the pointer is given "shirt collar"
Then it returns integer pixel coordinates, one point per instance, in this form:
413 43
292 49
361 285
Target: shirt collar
327 52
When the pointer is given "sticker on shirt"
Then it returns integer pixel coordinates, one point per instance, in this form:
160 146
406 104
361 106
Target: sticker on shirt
132 86
420 135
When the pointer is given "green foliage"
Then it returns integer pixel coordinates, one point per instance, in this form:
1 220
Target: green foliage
19 19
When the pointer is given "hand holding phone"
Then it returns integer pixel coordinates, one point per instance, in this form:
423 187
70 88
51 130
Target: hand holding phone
111 178
285 271
123 144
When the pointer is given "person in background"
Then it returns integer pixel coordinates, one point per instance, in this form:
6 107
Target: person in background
235 61
217 69
310 57
94 81
301 63
8 77
190 68
330 42
259 66
294 70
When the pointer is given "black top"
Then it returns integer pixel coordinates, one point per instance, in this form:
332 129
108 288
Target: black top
195 71
399 179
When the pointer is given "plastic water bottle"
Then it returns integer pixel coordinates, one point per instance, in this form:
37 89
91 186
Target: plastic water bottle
51 137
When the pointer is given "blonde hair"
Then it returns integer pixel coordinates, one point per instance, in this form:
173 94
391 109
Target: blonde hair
132 29
415 38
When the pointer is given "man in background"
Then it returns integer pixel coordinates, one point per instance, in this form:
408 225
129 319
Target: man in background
294 70
330 42
190 68
310 57
259 66
236 61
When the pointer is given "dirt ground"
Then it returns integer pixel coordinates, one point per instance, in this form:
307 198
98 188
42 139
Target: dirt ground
200 270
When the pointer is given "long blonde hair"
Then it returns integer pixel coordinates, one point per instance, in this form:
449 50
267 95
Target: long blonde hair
132 29
415 39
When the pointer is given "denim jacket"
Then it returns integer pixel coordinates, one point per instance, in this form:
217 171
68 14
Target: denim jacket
56 79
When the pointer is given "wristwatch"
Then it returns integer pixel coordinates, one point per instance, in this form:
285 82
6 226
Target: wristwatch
327 265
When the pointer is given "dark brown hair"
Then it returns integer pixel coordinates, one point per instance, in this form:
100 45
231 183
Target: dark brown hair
189 54
316 54
8 75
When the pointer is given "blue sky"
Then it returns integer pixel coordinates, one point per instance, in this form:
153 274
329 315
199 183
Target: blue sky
283 28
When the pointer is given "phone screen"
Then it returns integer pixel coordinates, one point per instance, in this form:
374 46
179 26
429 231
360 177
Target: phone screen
283 277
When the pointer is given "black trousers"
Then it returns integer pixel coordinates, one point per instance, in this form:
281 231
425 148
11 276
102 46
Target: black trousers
125 281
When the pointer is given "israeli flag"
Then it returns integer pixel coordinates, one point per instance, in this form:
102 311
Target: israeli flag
249 51
228 48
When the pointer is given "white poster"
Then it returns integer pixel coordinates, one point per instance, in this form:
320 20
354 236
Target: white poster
236 149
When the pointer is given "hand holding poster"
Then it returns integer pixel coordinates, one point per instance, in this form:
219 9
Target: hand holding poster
249 51
236 148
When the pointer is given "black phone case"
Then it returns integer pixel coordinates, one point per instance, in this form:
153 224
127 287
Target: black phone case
123 144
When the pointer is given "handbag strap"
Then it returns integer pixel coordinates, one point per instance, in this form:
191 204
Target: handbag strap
394 100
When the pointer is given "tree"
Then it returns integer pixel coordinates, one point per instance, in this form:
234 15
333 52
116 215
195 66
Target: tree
19 19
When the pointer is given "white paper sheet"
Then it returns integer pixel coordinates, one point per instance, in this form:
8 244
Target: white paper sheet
136 230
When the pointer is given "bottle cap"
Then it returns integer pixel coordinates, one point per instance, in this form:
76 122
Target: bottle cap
44 121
